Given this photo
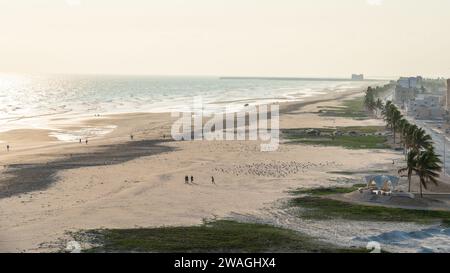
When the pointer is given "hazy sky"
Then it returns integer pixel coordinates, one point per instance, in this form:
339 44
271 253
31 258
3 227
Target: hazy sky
226 37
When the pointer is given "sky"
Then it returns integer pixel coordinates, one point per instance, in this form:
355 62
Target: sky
314 38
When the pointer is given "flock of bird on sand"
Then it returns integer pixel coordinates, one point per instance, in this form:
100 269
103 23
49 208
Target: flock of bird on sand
275 169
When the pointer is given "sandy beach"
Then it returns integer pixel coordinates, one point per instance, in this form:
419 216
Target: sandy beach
50 188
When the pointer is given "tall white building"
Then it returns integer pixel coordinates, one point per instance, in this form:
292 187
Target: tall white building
357 77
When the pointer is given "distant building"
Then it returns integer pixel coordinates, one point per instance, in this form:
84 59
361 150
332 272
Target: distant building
403 95
447 104
410 82
426 107
407 89
357 77
403 82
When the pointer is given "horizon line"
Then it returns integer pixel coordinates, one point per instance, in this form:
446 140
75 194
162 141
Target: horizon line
318 77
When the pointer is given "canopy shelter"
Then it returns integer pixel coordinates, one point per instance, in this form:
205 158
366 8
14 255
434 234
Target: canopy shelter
382 182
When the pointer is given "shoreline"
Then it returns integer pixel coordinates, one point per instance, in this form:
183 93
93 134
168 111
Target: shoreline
147 189
31 137
20 175
74 112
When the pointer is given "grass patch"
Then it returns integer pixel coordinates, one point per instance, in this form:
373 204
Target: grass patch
350 109
349 142
217 236
358 172
362 129
363 137
316 206
319 208
328 191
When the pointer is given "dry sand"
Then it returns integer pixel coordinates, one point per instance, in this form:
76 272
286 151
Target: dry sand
49 188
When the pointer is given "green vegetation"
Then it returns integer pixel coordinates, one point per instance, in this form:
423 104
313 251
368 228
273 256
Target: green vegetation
347 137
294 133
328 191
417 144
351 109
319 208
361 142
365 172
217 236
372 101
421 157
362 129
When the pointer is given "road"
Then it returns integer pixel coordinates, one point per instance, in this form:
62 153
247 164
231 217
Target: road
438 138
441 141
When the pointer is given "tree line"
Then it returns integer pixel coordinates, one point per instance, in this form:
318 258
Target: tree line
418 148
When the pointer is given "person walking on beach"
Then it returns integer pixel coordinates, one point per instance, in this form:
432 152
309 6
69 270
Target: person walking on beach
7 147
87 141
186 179
192 179
131 137
212 180
80 140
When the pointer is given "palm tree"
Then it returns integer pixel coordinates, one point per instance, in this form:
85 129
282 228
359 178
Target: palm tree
410 167
428 166
369 100
370 105
388 103
379 105
389 113
409 136
386 109
403 125
421 140
395 120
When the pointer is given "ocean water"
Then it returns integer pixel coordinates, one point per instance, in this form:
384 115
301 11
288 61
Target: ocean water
52 102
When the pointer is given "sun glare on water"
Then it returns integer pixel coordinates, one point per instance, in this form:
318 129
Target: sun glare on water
9 81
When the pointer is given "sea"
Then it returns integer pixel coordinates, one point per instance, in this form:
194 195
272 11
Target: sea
52 101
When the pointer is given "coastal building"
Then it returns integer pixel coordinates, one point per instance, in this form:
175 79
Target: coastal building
426 107
410 82
404 82
357 77
447 103
403 95
407 89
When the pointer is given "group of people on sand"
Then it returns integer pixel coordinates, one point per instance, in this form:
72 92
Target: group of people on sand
186 180
85 141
